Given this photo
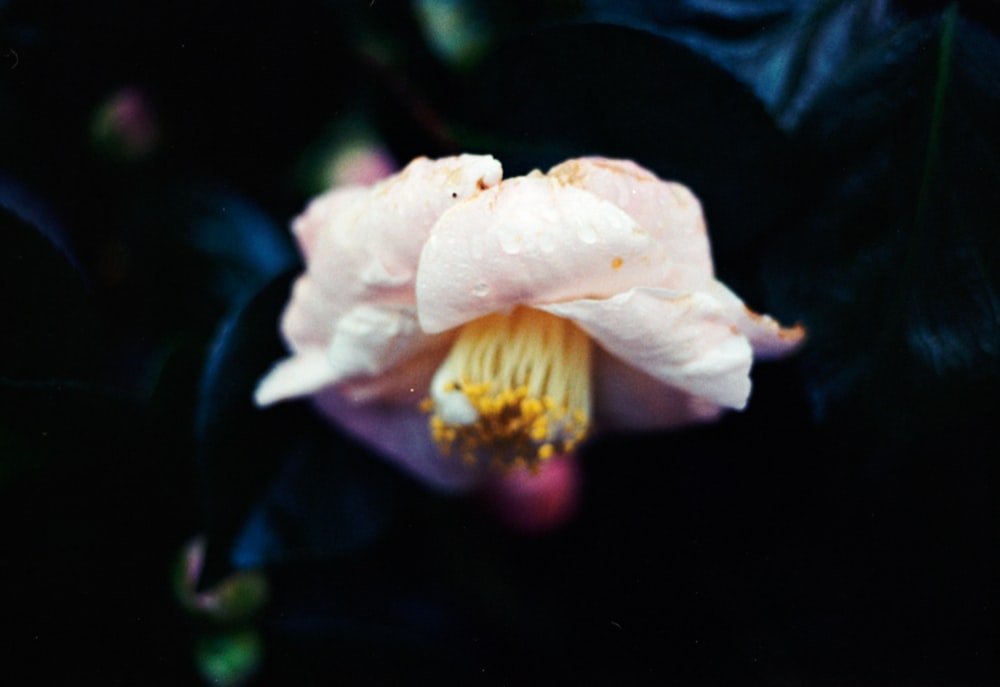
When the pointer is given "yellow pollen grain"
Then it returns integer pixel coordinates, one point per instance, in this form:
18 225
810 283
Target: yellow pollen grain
524 385
616 262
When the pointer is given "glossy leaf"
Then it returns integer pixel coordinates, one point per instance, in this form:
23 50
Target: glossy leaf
787 52
895 263
50 330
195 252
278 484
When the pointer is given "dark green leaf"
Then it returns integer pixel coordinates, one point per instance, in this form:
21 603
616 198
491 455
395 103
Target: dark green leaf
277 483
787 52
49 328
194 253
896 266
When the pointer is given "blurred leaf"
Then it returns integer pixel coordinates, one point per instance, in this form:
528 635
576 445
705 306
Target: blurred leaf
230 657
193 253
786 51
50 331
896 265
457 31
278 483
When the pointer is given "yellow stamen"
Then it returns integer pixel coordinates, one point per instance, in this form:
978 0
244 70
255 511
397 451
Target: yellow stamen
514 390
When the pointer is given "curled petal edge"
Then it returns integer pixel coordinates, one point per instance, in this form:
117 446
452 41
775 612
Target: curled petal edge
682 339
294 377
770 340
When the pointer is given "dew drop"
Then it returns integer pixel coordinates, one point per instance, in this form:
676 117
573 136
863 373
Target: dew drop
587 234
481 289
510 242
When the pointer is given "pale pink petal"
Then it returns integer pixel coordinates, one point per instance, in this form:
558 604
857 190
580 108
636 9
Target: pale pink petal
355 304
364 345
769 339
310 316
626 398
368 245
531 240
399 432
300 375
668 211
317 216
682 339
368 340
408 379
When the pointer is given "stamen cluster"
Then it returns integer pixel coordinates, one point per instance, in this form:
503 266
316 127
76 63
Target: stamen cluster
514 390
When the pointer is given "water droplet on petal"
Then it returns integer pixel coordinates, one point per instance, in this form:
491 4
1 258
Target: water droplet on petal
510 242
481 289
587 234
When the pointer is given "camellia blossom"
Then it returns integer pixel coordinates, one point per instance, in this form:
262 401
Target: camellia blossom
457 321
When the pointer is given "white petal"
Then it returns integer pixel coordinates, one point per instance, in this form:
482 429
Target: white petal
381 352
300 375
355 306
668 211
769 339
317 216
682 339
369 244
309 316
405 381
531 240
375 349
369 340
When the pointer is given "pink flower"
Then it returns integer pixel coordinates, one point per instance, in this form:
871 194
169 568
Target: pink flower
456 321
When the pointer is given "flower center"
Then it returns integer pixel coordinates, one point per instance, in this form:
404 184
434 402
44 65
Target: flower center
515 389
